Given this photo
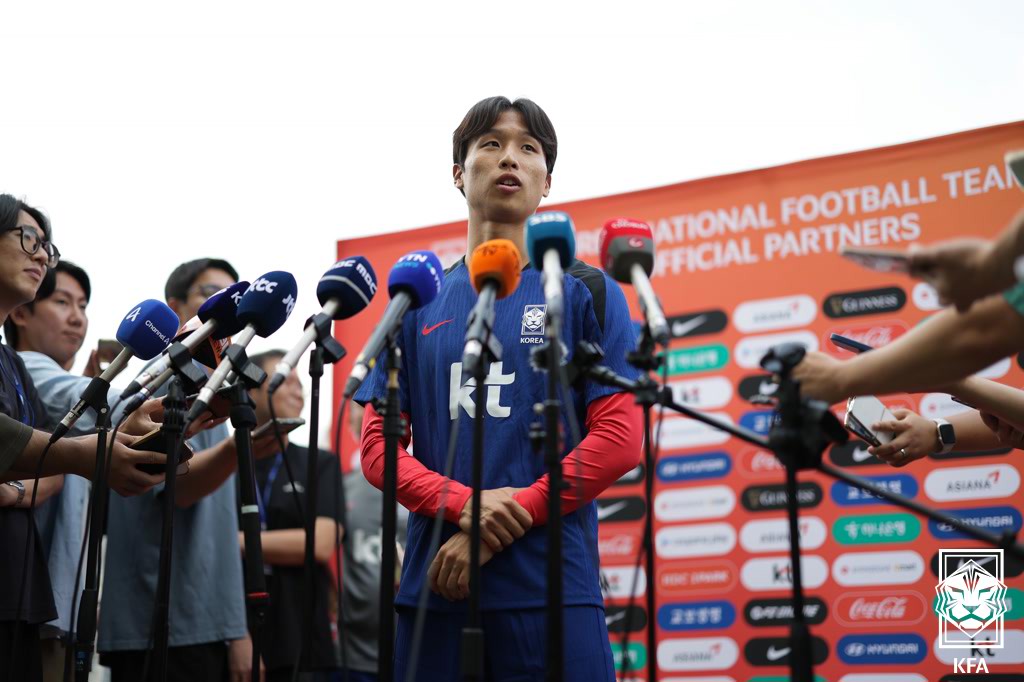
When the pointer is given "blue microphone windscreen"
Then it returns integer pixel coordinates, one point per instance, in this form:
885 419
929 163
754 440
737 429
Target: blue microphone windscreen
223 307
268 302
148 329
419 274
550 230
351 281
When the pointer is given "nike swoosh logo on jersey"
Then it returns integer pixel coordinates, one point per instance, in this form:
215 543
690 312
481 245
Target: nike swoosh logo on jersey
614 618
605 512
684 328
427 330
861 454
774 654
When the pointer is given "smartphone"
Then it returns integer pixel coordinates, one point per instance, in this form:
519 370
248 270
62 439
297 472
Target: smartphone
849 344
219 406
861 413
957 400
284 424
106 351
156 441
1015 160
879 260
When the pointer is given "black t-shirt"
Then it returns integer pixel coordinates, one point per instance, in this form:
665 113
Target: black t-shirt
282 632
16 524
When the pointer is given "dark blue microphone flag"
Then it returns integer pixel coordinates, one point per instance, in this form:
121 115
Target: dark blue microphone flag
550 230
351 282
268 302
222 307
148 329
419 274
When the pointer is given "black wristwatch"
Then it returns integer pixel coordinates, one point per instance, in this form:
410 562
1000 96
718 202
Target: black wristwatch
946 434
20 487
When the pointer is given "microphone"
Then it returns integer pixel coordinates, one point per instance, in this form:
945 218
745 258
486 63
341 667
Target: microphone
219 317
551 245
413 283
144 332
264 307
343 291
627 254
494 269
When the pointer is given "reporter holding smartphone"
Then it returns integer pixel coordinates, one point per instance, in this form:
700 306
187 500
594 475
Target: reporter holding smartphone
284 537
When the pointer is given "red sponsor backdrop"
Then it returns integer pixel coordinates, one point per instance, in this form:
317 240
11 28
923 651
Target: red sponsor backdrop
745 261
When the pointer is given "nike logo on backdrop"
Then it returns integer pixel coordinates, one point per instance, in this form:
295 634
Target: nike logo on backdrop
605 512
684 328
861 455
614 618
427 330
774 654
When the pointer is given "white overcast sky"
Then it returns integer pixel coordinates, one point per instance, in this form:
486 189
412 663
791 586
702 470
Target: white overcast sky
263 132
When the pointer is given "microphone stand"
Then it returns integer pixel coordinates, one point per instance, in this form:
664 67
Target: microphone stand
553 459
174 428
645 359
473 633
82 646
185 375
798 438
243 418
325 347
393 429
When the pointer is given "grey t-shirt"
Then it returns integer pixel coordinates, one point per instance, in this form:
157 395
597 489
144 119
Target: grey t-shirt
361 600
207 596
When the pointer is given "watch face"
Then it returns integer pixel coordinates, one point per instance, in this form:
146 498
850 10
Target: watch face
947 434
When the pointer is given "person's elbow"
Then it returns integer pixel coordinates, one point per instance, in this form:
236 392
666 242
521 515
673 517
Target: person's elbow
328 537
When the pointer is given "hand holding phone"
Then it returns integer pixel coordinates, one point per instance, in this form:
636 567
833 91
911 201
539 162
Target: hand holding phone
863 411
849 344
156 441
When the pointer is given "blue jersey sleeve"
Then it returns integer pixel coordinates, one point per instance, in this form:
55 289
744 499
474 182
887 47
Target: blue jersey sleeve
615 334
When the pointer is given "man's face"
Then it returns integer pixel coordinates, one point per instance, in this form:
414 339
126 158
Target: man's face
288 398
20 273
209 282
505 174
56 326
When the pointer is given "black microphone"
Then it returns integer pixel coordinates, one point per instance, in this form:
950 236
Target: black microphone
627 254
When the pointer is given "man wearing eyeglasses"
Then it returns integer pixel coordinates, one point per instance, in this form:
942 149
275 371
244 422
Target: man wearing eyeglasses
208 638
26 598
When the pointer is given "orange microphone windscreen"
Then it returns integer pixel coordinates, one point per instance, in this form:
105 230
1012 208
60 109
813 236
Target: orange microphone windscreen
497 260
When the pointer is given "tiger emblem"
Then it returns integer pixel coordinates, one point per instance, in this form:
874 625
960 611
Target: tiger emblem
533 319
971 599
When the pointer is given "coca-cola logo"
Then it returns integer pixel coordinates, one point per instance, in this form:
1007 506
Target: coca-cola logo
756 462
875 335
616 545
880 609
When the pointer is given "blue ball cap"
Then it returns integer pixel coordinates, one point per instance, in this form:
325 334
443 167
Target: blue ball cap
268 302
222 307
419 274
148 328
352 282
550 230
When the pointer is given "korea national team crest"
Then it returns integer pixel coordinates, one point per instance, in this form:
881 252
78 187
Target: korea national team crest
533 321
971 600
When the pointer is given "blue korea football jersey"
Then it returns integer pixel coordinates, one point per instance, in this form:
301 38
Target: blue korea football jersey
432 340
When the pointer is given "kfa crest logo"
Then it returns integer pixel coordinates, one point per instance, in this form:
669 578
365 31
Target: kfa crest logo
971 600
533 320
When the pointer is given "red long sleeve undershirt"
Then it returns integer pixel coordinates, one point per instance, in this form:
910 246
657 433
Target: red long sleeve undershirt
611 448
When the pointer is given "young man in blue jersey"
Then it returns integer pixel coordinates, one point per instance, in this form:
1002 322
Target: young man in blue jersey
504 153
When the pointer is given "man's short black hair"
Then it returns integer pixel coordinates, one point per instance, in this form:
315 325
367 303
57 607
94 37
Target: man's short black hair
184 275
45 291
9 209
481 117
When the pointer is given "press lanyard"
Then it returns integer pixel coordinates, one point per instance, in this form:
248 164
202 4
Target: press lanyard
25 413
263 500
